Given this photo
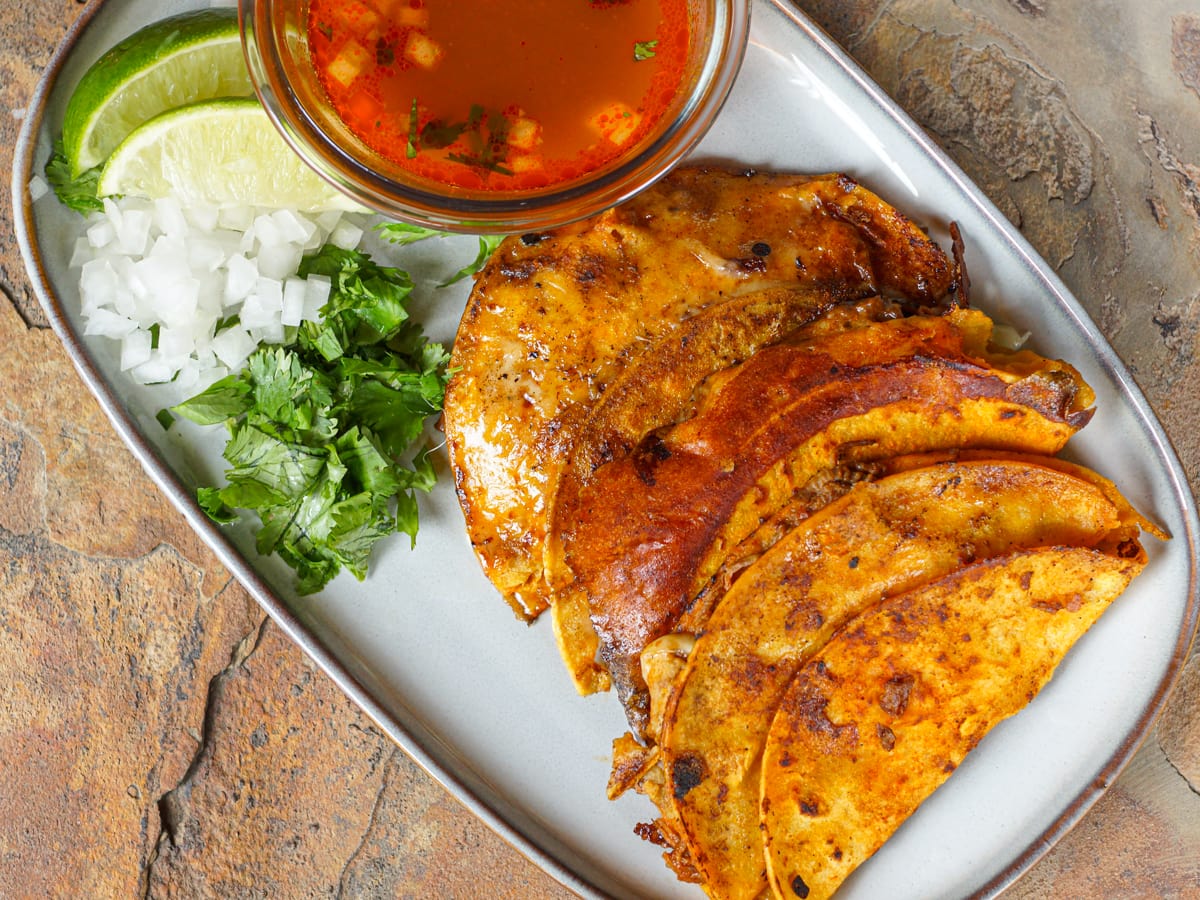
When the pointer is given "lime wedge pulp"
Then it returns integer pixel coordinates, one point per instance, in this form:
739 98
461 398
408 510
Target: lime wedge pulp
223 152
178 60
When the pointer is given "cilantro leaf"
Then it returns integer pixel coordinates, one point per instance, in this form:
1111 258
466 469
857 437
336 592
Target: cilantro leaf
486 138
366 460
396 415
367 304
482 160
438 135
258 454
214 507
321 430
487 246
411 145
404 233
79 194
643 50
385 54
222 400
358 522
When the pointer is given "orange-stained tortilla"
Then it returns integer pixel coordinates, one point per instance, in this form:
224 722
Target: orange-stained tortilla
881 539
892 704
649 530
555 318
548 90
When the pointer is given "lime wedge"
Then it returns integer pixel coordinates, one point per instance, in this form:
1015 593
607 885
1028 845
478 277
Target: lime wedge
223 152
184 58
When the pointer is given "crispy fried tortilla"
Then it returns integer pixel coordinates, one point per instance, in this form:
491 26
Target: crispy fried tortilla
891 705
710 341
741 433
555 317
650 530
881 539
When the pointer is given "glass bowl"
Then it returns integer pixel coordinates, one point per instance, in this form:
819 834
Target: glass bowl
274 33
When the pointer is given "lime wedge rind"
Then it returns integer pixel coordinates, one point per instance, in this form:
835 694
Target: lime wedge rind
190 57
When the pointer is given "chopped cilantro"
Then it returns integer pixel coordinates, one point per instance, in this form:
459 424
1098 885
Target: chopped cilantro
227 322
480 161
413 135
439 135
385 53
643 50
77 193
404 233
487 246
482 139
321 431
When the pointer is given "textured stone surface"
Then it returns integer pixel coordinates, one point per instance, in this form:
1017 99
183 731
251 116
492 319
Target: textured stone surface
1137 841
160 738
1179 726
29 32
83 460
107 636
314 799
443 854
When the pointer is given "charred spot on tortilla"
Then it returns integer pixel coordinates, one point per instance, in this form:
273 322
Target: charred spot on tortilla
686 773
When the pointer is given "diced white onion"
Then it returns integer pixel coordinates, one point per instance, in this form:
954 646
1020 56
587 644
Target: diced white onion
316 294
205 254
133 232
279 258
160 278
293 227
98 285
135 349
232 346
38 187
82 253
236 218
101 234
109 324
346 235
155 370
254 314
294 292
202 217
241 275
170 217
270 333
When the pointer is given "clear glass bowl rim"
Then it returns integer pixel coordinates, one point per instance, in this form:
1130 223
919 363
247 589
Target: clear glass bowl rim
509 213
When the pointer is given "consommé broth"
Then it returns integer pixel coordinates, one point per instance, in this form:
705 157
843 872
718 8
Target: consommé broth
498 95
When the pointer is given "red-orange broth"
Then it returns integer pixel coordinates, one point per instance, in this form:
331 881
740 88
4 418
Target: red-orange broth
499 95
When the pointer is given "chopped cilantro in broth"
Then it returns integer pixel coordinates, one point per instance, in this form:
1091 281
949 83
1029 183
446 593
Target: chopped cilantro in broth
495 94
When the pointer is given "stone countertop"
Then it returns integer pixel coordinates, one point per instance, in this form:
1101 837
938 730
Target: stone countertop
161 737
